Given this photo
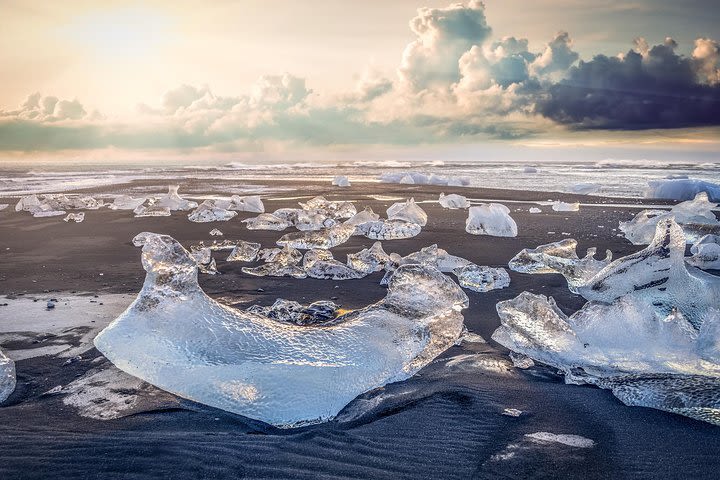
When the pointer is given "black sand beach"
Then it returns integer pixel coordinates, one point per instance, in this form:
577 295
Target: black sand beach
444 423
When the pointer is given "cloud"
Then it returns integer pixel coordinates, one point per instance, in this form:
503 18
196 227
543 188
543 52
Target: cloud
47 109
646 88
558 56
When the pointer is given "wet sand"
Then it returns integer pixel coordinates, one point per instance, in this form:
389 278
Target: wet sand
445 422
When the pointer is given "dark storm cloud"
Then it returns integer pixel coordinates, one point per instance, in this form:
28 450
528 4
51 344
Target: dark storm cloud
646 89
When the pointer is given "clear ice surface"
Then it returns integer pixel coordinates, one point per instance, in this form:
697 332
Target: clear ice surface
651 331
559 206
365 216
7 377
321 264
388 229
682 189
341 181
209 212
55 204
266 221
126 202
244 252
560 257
174 201
151 209
317 313
491 219
369 260
236 203
75 217
695 216
453 201
176 337
407 211
482 279
327 238
705 253
278 263
329 208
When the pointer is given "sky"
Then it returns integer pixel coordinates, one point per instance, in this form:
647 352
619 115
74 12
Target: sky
251 79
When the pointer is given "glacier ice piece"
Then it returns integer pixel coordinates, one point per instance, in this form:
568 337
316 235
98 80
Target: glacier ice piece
321 264
312 220
369 260
388 229
453 201
174 201
126 202
447 263
560 257
75 217
151 209
407 180
3 206
266 221
279 262
481 278
365 216
333 209
706 253
682 189
534 210
216 233
341 181
39 208
322 312
209 212
236 203
244 252
176 337
491 219
407 211
7 377
559 206
327 238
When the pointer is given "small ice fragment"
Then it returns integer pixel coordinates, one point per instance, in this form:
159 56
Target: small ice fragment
521 361
453 201
7 377
279 263
447 263
482 279
174 201
216 233
244 252
565 439
491 219
151 210
407 211
252 204
706 253
126 202
209 212
266 221
3 206
341 181
369 260
321 264
367 215
559 206
534 210
512 412
388 229
327 238
75 217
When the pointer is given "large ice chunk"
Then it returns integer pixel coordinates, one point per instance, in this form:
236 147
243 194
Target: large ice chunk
482 279
236 203
209 212
327 238
682 189
7 377
341 181
407 211
559 206
706 253
177 338
453 201
278 263
388 229
174 201
151 209
321 264
491 219
560 257
266 221
244 252
365 216
126 202
369 260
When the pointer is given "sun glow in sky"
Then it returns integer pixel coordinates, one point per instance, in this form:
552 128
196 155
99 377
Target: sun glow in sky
227 78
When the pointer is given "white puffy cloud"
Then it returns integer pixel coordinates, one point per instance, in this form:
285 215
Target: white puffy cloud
48 109
558 56
707 59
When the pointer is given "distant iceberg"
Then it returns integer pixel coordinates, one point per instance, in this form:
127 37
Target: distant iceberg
682 189
175 337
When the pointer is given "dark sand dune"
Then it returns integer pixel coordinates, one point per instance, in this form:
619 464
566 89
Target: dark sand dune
444 423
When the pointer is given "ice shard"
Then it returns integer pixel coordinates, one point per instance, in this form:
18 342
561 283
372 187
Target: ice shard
341 181
151 209
705 253
266 221
369 260
75 217
365 216
491 219
126 202
244 252
407 211
322 264
216 233
209 212
453 201
565 207
321 312
333 209
278 263
327 238
534 210
560 257
388 229
482 279
175 337
7 377
174 201
237 203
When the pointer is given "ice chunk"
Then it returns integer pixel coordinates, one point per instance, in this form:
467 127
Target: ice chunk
407 180
7 377
279 263
530 170
244 252
482 279
559 206
174 201
236 203
449 263
266 221
327 238
332 209
534 210
317 313
407 211
310 220
388 230
47 207
560 257
177 338
491 219
3 206
151 210
453 201
367 215
209 212
682 189
369 260
341 181
126 202
75 217
216 233
584 188
321 264
706 253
